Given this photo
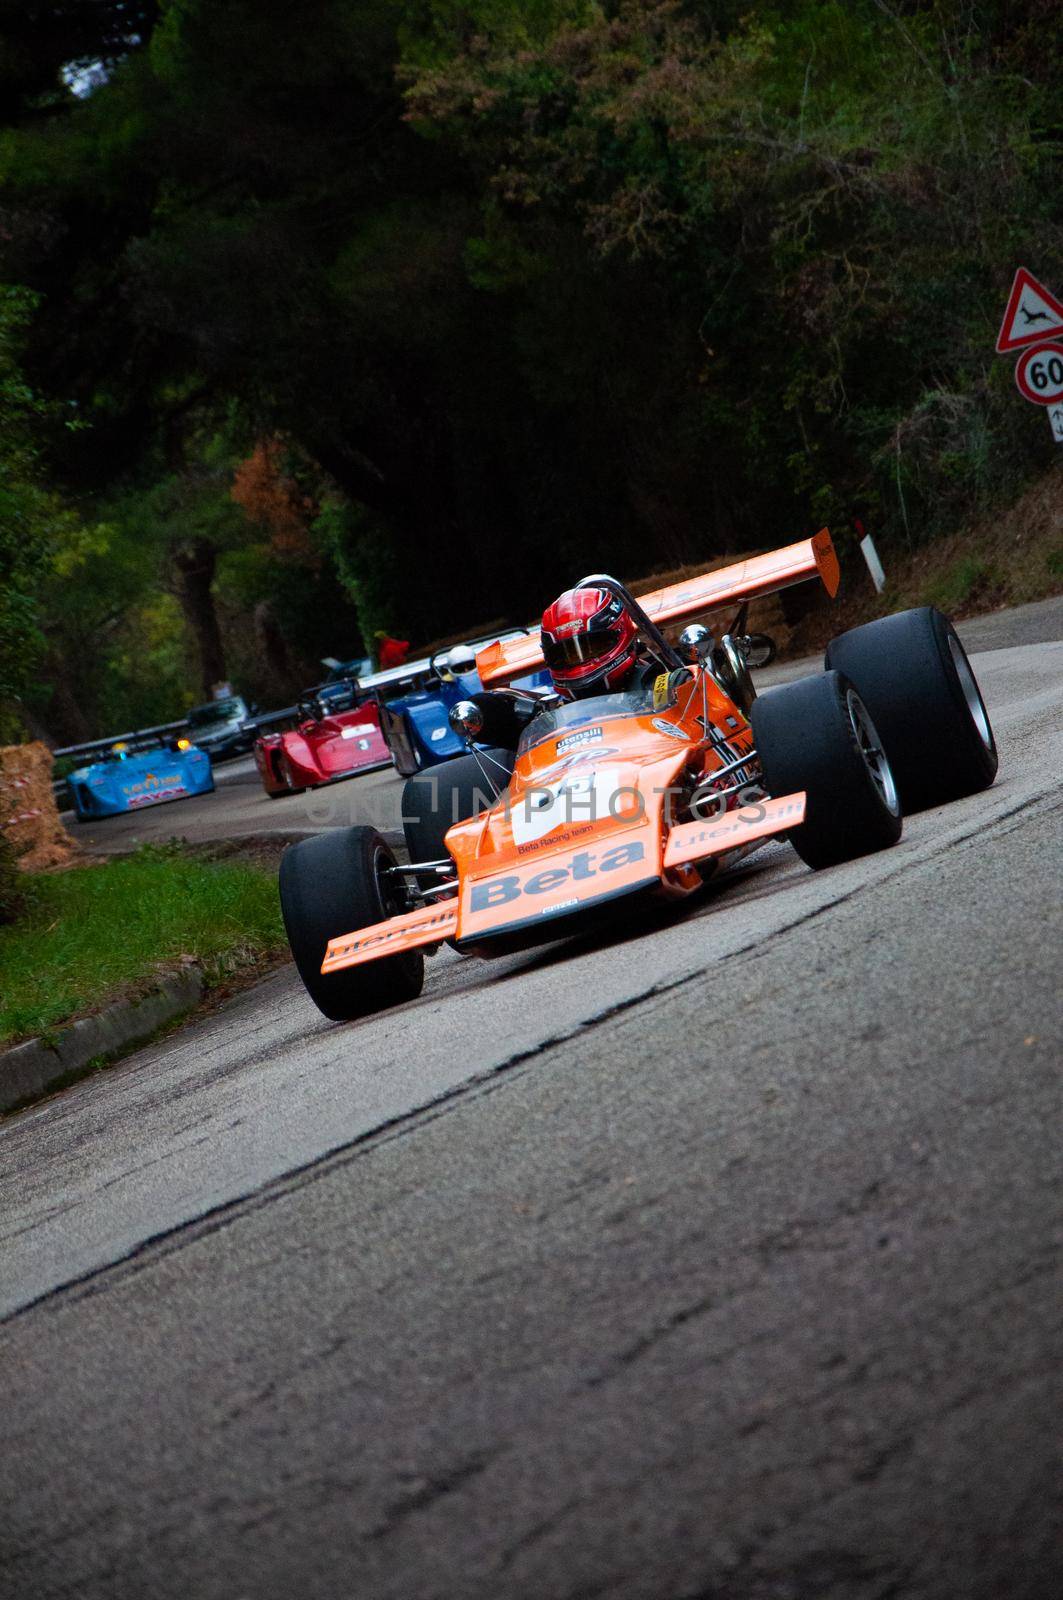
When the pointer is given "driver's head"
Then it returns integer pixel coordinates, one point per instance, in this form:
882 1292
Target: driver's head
589 642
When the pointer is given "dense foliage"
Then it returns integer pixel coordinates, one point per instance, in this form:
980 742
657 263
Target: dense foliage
33 523
494 293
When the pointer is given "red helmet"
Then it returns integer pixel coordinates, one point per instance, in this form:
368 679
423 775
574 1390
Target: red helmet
589 640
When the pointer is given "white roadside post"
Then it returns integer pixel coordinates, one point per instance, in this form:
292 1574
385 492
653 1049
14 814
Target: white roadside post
870 554
874 565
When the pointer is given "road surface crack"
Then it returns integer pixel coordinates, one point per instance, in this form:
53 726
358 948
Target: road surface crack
424 1492
538 1531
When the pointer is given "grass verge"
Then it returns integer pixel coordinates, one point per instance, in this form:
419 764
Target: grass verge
108 932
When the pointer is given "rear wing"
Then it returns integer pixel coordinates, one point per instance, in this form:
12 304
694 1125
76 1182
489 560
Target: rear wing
745 580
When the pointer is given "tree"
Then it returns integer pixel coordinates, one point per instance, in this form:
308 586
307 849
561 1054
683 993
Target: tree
34 525
45 49
542 288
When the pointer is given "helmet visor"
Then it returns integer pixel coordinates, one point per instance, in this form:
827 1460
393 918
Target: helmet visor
578 649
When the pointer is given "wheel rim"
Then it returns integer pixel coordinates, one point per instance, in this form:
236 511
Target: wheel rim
870 747
971 692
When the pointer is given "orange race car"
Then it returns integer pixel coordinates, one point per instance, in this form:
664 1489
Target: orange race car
561 809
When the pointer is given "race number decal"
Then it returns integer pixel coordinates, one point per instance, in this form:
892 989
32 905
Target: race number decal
568 802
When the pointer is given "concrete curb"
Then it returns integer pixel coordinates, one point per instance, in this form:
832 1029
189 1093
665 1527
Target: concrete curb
30 1070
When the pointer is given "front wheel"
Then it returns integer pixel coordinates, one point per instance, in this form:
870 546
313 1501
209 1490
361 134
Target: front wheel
452 792
334 884
912 673
287 777
817 735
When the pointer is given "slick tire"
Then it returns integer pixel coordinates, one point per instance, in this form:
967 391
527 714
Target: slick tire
434 800
816 735
331 885
287 777
913 675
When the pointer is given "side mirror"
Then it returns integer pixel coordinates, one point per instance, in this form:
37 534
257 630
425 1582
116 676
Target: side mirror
695 642
466 719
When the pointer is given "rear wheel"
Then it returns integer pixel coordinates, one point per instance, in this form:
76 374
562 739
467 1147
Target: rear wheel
817 735
269 772
287 776
337 883
912 673
433 801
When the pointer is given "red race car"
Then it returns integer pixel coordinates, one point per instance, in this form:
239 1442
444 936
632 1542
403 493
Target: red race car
324 746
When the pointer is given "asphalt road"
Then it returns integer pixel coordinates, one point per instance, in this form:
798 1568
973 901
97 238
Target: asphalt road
239 808
721 1260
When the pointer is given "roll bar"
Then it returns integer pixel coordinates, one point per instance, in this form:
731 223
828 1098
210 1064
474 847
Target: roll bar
613 586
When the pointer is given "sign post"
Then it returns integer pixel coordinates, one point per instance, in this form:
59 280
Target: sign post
1033 323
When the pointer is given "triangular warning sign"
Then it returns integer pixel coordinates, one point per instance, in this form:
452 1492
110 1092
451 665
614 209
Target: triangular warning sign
1033 314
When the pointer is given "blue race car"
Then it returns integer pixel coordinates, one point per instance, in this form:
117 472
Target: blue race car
415 700
128 780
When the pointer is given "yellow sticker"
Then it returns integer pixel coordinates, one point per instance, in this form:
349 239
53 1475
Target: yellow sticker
660 691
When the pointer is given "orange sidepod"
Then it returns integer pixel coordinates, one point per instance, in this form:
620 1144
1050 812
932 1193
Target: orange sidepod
744 580
426 925
696 841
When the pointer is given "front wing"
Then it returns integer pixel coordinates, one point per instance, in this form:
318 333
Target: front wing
426 925
697 841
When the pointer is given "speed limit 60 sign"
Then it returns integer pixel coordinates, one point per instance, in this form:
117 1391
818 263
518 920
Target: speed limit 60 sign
1039 374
